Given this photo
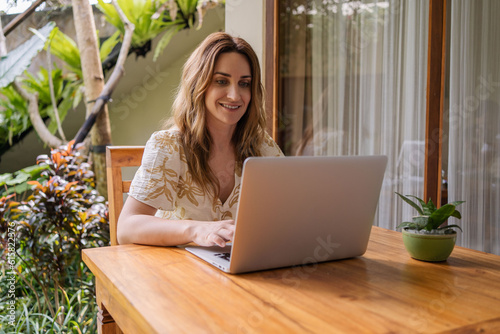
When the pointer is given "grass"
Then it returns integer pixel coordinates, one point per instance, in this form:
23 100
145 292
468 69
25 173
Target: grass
77 312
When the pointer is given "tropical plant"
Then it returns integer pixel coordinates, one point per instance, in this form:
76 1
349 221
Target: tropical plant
14 115
152 18
429 217
66 93
62 215
67 87
64 47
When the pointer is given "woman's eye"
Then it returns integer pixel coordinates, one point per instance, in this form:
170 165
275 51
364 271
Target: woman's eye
220 81
244 84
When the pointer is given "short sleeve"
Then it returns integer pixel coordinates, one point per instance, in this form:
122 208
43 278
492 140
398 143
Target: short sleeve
155 182
270 148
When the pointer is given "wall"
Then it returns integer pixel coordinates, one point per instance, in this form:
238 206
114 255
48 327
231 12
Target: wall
245 19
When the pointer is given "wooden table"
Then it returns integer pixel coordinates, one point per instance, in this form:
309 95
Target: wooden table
167 290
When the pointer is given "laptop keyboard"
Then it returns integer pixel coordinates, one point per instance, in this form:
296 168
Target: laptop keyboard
225 256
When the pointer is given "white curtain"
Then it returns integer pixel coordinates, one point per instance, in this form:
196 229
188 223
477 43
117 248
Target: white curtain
354 83
473 120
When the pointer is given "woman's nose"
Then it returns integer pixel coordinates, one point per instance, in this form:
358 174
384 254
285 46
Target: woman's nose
233 92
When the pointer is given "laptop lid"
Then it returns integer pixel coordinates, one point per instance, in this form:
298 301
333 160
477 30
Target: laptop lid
300 210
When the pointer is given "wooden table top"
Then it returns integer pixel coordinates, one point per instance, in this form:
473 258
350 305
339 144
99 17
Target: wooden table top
166 289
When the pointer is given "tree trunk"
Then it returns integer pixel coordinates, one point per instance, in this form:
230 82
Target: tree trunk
3 45
93 78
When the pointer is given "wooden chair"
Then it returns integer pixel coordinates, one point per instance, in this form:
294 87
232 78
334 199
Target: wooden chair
116 158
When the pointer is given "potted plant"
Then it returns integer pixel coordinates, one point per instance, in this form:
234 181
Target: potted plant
424 237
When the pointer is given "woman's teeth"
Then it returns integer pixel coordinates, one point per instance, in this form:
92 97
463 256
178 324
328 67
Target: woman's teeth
230 107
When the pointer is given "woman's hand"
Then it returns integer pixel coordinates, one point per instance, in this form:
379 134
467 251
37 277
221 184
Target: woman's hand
212 233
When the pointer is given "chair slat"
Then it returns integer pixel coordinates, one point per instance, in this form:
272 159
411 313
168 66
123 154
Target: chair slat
116 158
126 186
126 156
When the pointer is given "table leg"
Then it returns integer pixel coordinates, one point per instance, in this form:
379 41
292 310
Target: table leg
105 322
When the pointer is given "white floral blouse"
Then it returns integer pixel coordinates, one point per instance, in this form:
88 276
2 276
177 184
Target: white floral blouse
164 182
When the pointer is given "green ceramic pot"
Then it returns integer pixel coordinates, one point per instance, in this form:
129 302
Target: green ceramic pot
429 247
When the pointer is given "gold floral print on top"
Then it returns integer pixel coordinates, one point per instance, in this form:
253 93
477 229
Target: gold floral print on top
164 182
188 188
227 215
233 199
158 186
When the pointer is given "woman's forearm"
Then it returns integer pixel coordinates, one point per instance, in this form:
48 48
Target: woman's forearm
151 230
138 224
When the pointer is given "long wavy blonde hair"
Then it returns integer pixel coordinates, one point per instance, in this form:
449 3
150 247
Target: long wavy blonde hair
189 111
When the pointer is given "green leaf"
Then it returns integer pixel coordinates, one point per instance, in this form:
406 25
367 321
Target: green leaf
4 178
192 5
440 215
165 39
413 204
14 116
19 59
184 6
78 95
110 13
430 225
40 85
64 47
34 170
456 214
62 110
430 207
18 189
18 179
421 221
450 226
109 45
410 225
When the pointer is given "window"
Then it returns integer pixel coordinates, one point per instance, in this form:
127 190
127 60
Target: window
471 139
352 80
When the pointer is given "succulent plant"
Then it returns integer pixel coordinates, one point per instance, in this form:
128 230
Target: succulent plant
429 217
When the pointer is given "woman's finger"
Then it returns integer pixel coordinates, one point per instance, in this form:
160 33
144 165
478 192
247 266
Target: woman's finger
227 234
218 240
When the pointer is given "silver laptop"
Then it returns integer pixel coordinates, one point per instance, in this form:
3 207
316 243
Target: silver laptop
300 210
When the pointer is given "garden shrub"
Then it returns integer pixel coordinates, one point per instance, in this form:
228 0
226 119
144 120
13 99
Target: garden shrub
17 182
63 215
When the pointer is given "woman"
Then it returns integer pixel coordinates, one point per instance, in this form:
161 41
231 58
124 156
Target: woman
187 187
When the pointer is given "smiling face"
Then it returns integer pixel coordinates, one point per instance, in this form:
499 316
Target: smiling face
229 92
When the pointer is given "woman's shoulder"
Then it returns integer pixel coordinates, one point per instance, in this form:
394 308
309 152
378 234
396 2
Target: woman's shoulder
164 148
165 138
169 135
269 147
164 143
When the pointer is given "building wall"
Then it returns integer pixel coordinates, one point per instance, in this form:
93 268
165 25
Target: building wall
245 19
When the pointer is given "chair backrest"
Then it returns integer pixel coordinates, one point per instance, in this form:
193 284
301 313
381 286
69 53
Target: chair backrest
116 158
